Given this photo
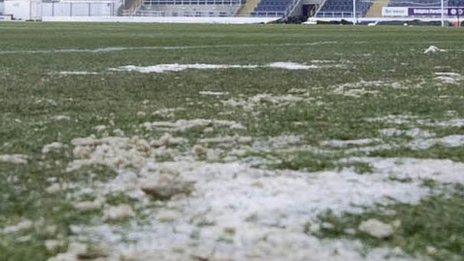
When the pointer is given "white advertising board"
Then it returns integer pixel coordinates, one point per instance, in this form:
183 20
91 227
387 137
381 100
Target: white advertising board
394 11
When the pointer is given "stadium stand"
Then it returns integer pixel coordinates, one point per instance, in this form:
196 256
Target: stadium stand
272 7
414 3
425 3
456 3
221 8
198 8
376 8
343 8
248 8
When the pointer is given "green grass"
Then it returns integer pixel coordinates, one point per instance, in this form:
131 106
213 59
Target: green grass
30 94
434 223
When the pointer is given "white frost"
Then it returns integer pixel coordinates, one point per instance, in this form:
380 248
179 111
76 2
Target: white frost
14 158
212 93
376 228
76 73
52 147
247 208
348 143
448 77
184 125
292 66
451 141
22 225
433 49
175 67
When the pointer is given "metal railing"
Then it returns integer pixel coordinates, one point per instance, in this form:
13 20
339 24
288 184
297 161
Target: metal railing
147 4
335 14
268 13
193 2
148 13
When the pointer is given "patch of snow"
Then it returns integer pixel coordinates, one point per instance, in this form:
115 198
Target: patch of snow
165 185
431 250
175 67
393 119
121 152
348 143
433 49
357 89
278 142
55 188
256 204
448 77
441 171
52 245
273 99
61 118
52 147
322 61
447 123
167 140
199 151
292 66
184 125
162 68
356 93
413 133
451 141
120 212
376 228
114 152
167 112
22 225
227 139
118 132
264 99
14 158
213 93
368 149
241 206
362 83
85 206
74 250
99 128
297 91
76 73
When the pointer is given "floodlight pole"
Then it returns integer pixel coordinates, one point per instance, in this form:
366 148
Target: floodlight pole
354 11
442 13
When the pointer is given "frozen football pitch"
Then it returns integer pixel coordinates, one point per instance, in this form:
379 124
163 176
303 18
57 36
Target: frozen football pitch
231 142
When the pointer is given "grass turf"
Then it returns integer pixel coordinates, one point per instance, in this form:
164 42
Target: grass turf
31 92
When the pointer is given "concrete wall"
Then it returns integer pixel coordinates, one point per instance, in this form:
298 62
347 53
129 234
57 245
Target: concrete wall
23 9
95 8
35 9
183 20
